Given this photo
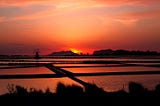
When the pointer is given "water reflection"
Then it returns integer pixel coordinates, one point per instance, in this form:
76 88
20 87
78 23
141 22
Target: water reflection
42 84
111 69
32 70
113 83
109 83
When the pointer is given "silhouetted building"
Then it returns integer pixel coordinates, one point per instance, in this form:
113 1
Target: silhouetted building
37 55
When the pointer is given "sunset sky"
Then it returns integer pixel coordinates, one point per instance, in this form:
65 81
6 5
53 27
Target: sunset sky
86 25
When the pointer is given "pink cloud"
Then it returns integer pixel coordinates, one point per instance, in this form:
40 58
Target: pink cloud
108 2
37 15
20 2
82 2
145 14
123 2
127 21
2 19
131 18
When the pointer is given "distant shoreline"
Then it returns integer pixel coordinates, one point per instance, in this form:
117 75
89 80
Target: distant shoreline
81 56
104 53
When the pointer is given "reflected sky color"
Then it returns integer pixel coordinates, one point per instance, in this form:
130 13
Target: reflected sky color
108 83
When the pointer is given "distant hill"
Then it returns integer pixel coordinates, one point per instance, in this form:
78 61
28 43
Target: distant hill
123 52
63 53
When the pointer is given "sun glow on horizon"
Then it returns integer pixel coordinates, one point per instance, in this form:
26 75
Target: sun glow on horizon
75 50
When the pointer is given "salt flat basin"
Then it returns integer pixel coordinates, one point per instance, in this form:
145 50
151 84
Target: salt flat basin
109 83
111 69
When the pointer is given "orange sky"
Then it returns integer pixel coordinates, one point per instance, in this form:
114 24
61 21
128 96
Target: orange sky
87 25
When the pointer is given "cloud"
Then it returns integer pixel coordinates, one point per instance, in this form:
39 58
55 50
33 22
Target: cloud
131 18
128 18
131 2
145 14
21 3
70 2
37 15
55 7
127 21
2 19
41 14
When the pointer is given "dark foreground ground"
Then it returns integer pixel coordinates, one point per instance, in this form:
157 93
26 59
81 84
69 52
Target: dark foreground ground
73 95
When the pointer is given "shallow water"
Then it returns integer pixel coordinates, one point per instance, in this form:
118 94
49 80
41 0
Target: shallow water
109 83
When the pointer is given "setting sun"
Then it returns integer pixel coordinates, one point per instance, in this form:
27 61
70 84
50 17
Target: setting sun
75 50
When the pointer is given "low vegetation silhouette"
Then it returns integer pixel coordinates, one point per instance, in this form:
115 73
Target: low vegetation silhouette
123 52
96 53
74 95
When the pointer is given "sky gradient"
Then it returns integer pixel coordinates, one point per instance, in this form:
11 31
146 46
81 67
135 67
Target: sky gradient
86 25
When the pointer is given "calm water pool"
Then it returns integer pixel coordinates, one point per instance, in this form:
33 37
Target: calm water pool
108 83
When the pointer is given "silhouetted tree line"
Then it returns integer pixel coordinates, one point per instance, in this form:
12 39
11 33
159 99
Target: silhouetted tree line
73 95
123 52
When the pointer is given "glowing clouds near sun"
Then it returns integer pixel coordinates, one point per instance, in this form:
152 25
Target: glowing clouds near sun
54 25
